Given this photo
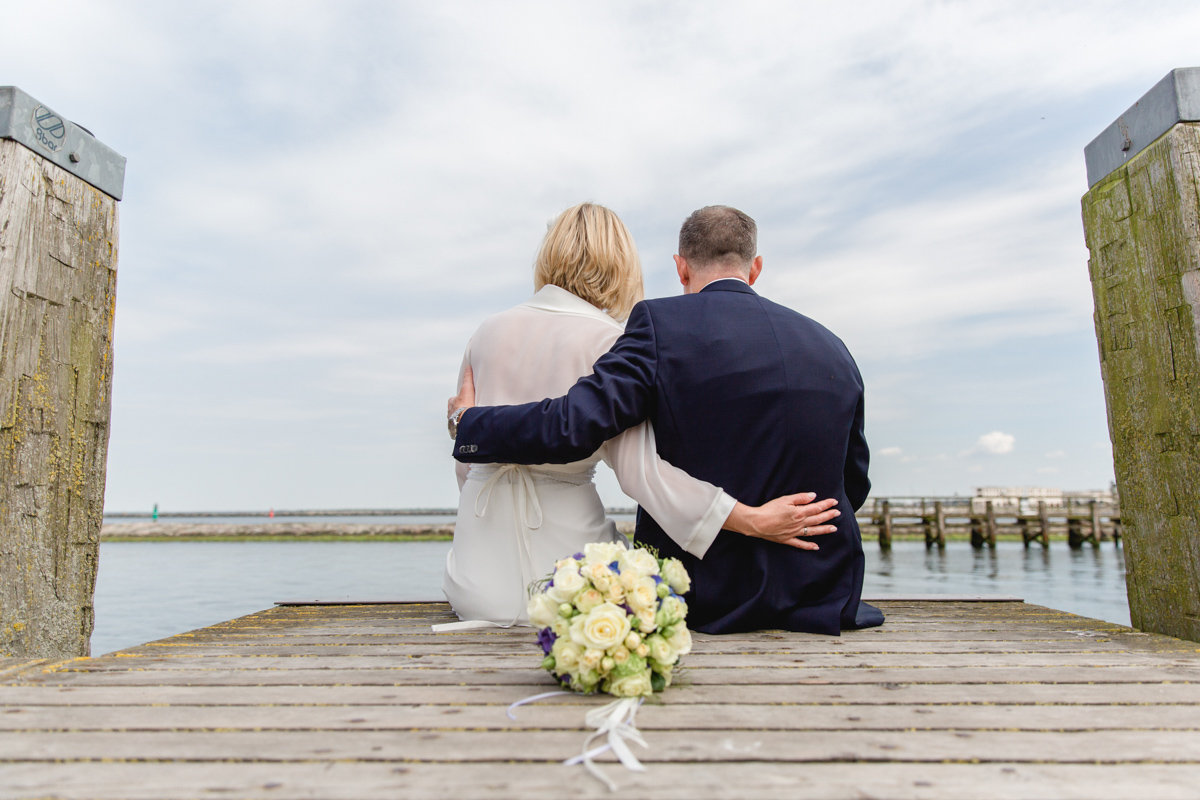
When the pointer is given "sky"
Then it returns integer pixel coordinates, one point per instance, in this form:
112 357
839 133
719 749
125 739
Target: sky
323 201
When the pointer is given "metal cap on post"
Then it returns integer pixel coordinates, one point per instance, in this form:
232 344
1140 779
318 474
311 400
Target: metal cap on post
55 138
1176 98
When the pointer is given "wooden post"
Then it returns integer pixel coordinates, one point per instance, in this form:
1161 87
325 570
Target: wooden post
1142 224
991 525
1044 523
940 517
1096 534
885 527
58 259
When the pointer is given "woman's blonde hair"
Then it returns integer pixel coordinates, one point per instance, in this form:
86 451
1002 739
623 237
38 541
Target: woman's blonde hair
589 252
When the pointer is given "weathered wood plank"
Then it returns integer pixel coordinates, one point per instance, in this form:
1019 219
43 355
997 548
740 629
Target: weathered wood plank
695 662
805 695
379 647
1088 747
667 716
710 677
520 781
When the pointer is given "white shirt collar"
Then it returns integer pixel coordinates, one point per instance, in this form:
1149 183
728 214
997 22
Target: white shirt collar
730 278
558 300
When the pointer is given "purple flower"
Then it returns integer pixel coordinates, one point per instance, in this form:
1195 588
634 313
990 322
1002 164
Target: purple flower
657 579
578 556
613 566
546 639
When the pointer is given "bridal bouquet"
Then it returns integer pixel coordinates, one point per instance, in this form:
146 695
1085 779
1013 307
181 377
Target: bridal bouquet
611 619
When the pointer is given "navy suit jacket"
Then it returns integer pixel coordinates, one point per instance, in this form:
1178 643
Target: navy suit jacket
743 393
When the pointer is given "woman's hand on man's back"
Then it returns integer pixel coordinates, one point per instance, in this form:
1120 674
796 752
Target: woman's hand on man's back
785 519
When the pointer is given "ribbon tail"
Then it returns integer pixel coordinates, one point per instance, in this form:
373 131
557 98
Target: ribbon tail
600 776
532 699
617 741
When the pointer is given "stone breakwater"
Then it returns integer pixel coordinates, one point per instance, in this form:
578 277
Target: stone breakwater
133 531
157 531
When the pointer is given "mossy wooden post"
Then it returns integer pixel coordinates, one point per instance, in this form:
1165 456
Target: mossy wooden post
885 527
59 189
1142 222
940 518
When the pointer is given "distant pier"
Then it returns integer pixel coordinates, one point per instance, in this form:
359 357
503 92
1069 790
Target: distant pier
985 520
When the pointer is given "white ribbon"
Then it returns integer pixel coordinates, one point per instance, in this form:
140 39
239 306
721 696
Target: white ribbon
532 699
616 720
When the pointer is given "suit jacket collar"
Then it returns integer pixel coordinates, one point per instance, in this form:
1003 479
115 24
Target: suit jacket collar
728 286
557 300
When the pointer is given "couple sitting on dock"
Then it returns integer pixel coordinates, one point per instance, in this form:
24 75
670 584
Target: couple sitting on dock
736 423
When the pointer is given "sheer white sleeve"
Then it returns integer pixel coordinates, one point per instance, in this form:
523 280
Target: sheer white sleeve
690 511
461 469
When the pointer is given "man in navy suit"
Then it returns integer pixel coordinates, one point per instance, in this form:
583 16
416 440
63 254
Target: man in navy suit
743 393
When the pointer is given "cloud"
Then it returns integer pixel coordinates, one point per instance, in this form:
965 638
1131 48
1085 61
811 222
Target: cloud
996 443
324 200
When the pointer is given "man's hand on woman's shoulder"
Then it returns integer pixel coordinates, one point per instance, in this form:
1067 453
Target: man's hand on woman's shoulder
785 519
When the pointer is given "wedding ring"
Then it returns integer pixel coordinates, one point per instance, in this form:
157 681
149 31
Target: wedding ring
804 532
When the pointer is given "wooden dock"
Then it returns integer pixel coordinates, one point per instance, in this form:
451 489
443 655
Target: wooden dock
947 700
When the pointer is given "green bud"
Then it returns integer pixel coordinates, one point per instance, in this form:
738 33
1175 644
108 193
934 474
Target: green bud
566 610
548 663
663 590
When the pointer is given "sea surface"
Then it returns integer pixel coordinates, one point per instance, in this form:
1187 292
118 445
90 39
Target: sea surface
150 590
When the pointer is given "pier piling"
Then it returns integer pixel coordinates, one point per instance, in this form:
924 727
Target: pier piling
59 189
1141 219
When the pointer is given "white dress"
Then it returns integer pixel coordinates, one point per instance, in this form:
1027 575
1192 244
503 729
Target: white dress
515 522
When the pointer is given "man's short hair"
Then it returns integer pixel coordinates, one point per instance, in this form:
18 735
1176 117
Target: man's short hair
718 236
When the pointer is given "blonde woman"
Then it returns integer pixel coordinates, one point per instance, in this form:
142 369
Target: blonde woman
514 522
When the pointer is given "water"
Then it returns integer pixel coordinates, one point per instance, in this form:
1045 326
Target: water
360 519
149 590
263 519
1089 582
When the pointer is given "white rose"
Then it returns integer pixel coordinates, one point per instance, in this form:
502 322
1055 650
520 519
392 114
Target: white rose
660 651
602 552
591 659
603 627
566 655
588 599
680 640
671 611
635 685
619 654
638 561
561 626
600 576
646 620
644 595
616 594
676 575
567 583
628 579
543 610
